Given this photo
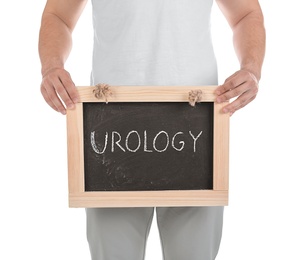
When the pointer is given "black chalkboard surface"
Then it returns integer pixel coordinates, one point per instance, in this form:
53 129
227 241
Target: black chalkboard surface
148 146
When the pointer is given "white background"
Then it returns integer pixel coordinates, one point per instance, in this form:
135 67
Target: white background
264 218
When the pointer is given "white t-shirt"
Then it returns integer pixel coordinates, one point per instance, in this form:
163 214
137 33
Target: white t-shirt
153 42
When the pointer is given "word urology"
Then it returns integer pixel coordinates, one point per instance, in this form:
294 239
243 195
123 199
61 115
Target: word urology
160 142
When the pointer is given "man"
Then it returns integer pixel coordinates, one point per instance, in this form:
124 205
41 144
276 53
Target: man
159 42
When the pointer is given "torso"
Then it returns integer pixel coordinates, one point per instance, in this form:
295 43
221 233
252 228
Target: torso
158 42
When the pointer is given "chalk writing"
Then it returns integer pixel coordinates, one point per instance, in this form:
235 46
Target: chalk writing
117 144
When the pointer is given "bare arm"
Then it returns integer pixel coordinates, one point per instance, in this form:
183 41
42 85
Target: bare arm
55 41
246 21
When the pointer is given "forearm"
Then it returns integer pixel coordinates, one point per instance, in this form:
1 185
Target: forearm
55 42
246 21
249 42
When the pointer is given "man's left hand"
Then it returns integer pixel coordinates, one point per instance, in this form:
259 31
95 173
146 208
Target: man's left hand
242 85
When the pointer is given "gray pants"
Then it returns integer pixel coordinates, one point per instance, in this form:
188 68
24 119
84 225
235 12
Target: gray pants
189 233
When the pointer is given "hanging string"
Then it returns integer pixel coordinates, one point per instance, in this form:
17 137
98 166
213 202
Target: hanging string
102 91
194 97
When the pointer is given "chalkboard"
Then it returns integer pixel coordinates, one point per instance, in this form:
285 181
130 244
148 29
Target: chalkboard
147 146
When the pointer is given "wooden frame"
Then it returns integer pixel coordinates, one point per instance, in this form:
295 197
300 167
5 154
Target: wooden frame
78 197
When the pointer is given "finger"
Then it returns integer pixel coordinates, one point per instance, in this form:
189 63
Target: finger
235 92
230 84
47 99
54 98
240 102
235 80
238 84
246 103
70 88
62 93
61 81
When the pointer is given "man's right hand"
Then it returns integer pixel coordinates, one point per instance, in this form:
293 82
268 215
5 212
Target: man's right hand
58 21
58 90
